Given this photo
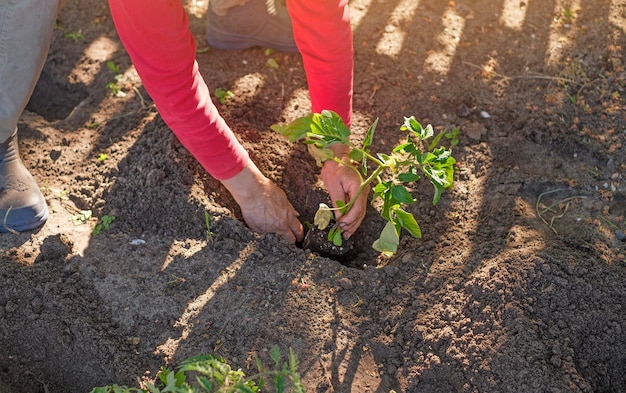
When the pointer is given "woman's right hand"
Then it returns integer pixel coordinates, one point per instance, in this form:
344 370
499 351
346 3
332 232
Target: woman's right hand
264 206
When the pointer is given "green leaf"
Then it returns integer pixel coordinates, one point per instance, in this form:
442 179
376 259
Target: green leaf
293 361
279 383
411 124
328 127
320 154
334 236
272 63
356 155
407 147
341 205
205 383
383 191
435 141
427 132
384 158
367 143
408 222
369 136
243 389
381 187
438 193
113 67
275 355
438 176
323 216
388 241
295 130
408 177
401 195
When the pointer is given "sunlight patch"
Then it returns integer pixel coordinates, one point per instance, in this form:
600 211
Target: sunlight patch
393 38
100 50
562 34
616 17
195 306
248 85
358 12
513 14
440 61
297 106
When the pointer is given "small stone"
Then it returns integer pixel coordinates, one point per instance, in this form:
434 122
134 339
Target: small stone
475 131
132 340
463 111
346 283
391 271
154 177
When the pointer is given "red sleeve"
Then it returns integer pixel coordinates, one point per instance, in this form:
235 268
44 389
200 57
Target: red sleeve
156 35
322 32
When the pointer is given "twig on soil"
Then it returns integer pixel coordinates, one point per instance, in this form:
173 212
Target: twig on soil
123 115
143 102
609 222
144 107
549 208
45 387
559 79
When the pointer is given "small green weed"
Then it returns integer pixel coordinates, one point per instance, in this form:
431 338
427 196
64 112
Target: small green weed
176 280
74 36
213 374
116 85
271 62
568 14
103 225
223 95
207 224
453 136
70 35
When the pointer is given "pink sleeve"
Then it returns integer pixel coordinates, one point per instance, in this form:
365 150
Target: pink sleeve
324 37
156 35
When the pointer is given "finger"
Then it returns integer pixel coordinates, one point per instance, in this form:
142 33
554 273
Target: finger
338 197
352 220
296 228
288 236
298 231
348 226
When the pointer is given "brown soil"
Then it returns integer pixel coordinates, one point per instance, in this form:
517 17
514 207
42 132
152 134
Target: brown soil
519 281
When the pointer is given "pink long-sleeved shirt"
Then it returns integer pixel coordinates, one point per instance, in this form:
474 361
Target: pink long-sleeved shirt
156 35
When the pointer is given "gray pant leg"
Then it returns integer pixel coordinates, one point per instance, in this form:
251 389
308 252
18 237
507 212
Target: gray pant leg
25 32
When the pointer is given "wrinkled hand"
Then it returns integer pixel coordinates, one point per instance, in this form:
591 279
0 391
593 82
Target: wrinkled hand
264 206
342 183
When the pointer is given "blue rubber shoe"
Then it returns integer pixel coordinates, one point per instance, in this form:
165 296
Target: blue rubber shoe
264 23
22 205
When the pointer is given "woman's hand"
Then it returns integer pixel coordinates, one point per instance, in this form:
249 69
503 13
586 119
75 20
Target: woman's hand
343 182
264 206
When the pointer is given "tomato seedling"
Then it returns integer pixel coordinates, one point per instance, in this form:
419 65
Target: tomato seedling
389 174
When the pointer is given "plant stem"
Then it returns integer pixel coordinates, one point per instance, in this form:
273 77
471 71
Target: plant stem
364 183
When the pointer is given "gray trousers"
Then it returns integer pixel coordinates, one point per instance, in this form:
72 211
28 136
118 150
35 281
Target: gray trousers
25 32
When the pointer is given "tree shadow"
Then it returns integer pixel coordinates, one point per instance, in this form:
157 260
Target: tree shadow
431 310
